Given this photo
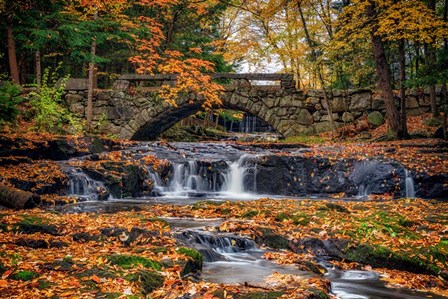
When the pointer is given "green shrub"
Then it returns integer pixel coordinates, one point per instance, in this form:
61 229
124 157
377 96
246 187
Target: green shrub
9 99
46 104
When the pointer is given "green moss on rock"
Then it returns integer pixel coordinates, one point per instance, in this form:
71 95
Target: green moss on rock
193 264
148 280
130 261
24 275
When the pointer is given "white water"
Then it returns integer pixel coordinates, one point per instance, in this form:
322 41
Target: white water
192 179
83 187
409 183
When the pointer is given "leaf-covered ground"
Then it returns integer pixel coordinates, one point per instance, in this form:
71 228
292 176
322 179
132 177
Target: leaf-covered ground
134 254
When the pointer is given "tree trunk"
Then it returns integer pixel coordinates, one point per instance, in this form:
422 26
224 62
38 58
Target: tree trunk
14 70
17 199
382 69
402 59
90 84
38 69
431 53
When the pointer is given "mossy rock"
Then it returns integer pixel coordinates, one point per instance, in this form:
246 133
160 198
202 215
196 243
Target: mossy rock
271 239
148 280
252 295
381 257
249 214
317 294
195 261
375 118
130 261
24 275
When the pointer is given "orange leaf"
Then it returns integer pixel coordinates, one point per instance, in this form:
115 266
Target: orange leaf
7 273
3 283
95 278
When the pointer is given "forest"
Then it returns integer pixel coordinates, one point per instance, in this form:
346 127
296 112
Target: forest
391 45
141 158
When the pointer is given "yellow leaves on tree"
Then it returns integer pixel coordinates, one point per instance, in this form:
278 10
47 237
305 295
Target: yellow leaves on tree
192 73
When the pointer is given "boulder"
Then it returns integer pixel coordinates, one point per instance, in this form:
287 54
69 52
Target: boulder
305 117
17 199
375 118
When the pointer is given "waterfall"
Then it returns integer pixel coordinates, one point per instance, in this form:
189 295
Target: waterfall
363 191
409 184
83 187
235 177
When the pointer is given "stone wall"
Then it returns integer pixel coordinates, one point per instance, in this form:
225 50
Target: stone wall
143 115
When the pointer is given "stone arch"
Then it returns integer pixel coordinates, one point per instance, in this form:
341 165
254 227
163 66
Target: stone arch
276 107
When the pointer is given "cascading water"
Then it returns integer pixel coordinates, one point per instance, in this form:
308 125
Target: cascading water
196 178
83 187
234 179
409 185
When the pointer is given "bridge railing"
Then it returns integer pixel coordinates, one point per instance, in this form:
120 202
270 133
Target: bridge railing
286 80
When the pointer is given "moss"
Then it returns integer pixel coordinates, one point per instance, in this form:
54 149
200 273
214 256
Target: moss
193 264
33 220
318 294
24 275
158 249
148 280
381 257
45 284
271 239
249 214
205 204
130 261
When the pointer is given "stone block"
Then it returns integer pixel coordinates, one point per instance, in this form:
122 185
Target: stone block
76 84
322 126
305 117
317 116
73 98
327 118
411 103
418 111
78 108
337 104
269 102
347 117
360 101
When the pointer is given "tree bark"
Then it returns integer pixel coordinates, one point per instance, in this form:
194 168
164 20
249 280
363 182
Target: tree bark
38 69
382 69
402 59
431 61
17 199
14 70
91 76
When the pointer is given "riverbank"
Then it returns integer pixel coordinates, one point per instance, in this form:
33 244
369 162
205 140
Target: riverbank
135 253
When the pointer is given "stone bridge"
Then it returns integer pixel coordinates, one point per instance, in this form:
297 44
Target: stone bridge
133 110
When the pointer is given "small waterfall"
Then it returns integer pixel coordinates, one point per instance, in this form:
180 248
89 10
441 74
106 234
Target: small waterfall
235 177
83 187
409 184
363 191
189 179
216 247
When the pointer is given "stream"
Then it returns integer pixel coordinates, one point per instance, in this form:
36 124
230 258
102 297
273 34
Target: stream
219 172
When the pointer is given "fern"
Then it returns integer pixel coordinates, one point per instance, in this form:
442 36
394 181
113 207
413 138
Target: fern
9 99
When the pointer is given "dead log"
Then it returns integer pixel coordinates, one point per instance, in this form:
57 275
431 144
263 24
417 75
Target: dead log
17 199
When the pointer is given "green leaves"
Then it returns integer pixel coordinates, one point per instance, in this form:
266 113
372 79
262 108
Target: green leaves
9 99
